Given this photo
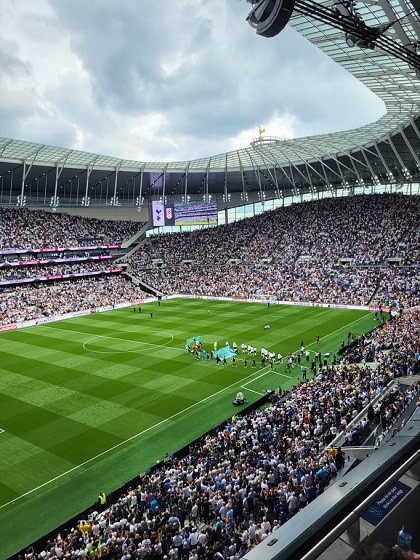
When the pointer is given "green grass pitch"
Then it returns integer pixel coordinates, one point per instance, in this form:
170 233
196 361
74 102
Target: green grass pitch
88 403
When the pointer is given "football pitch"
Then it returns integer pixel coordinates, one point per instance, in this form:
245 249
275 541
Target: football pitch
89 403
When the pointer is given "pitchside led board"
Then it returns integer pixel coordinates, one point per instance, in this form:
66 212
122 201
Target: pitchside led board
176 213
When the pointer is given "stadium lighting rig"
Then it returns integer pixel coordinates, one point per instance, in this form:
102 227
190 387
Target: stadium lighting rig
54 202
139 203
21 200
269 17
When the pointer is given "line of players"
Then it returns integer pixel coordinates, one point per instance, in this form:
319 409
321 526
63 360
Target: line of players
268 358
293 359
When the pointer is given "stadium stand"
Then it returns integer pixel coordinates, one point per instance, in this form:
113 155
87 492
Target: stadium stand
316 233
46 268
241 483
32 229
268 249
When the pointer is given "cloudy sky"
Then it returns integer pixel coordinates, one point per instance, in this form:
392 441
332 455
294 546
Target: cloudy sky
164 80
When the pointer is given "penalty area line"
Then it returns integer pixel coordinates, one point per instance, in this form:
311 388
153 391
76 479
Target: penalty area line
252 390
283 375
245 385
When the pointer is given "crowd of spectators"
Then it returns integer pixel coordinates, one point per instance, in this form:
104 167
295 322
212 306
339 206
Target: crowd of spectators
36 271
375 286
355 250
240 483
395 345
21 228
366 228
15 259
35 229
320 251
38 300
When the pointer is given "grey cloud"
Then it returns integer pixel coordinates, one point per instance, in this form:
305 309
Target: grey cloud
11 66
223 79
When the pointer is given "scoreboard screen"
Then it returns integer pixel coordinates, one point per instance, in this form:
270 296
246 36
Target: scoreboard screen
193 213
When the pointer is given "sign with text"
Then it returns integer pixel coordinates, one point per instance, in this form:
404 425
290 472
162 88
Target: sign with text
385 503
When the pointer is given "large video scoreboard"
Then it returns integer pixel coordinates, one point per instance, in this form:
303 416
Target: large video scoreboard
178 213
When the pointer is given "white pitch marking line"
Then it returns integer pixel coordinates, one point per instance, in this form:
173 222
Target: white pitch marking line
148 344
116 338
252 390
135 435
340 329
121 443
284 375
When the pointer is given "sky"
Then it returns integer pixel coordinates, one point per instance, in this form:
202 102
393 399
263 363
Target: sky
164 80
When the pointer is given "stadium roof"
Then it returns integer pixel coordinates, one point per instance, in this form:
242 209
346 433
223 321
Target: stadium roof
385 151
